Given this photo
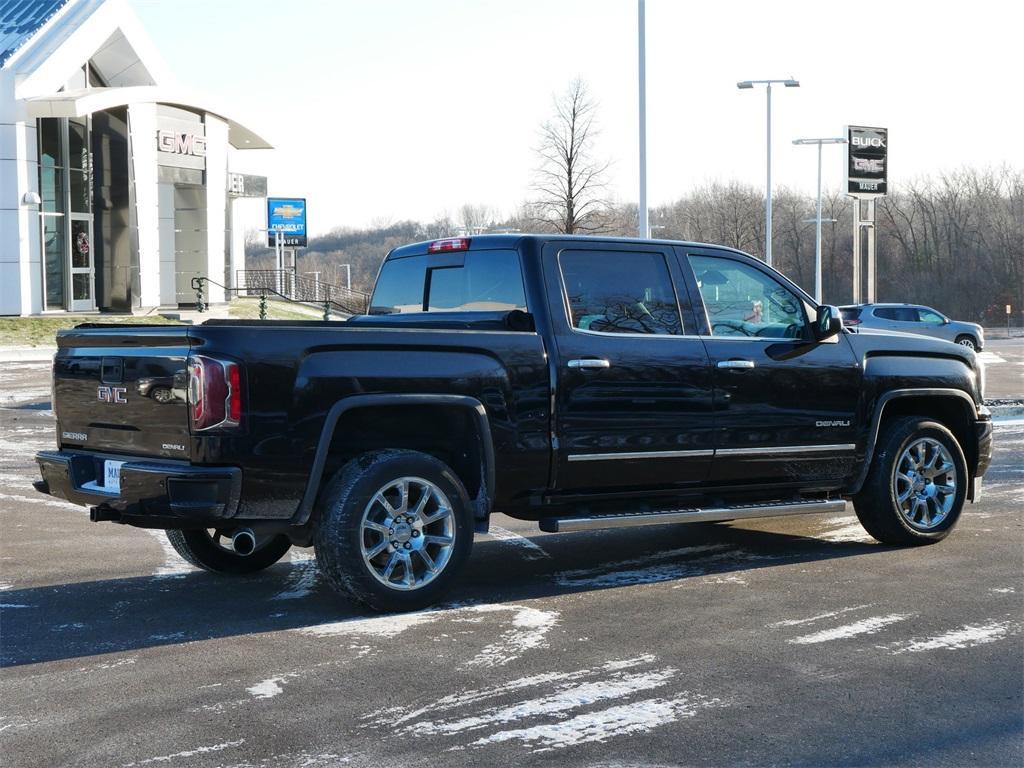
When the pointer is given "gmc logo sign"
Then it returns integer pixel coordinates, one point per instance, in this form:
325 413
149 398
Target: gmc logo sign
111 394
178 143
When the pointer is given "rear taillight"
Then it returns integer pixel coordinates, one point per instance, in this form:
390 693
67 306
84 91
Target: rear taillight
449 244
214 393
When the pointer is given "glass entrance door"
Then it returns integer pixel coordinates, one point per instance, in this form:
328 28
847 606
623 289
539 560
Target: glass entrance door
83 297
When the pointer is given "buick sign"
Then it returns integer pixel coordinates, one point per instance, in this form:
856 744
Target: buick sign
867 159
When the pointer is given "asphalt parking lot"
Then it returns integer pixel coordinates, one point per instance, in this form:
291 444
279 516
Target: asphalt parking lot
795 641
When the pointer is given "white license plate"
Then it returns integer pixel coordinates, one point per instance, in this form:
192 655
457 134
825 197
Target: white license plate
112 476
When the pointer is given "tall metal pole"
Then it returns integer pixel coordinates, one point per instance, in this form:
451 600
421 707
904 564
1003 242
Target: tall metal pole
817 237
768 191
644 228
817 218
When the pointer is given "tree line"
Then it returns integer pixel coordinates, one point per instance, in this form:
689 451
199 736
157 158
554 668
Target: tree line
954 241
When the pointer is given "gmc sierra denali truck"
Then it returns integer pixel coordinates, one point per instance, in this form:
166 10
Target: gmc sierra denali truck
577 382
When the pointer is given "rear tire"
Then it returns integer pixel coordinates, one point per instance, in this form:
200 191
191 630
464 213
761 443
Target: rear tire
916 487
204 551
395 528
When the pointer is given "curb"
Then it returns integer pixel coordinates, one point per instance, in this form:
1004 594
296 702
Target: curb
27 354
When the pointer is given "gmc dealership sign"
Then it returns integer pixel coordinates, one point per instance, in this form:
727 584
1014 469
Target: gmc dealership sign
181 143
867 160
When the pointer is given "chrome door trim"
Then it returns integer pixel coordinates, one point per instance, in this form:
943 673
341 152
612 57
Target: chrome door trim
640 455
787 449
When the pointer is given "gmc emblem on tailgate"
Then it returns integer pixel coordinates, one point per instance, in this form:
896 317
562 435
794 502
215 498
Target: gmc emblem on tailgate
111 394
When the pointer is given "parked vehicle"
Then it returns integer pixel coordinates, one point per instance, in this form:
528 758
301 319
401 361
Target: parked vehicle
577 382
913 318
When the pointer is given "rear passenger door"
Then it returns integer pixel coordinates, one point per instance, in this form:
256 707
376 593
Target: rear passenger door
785 405
633 394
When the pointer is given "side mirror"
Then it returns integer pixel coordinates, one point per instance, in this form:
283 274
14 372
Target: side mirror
828 322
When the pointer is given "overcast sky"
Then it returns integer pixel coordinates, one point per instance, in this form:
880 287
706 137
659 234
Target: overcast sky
395 109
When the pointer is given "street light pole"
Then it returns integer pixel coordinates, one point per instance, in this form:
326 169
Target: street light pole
644 228
817 218
744 84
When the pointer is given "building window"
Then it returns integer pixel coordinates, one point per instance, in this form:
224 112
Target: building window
65 187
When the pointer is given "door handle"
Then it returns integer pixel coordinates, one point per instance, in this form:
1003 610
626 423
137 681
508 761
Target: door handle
736 364
590 363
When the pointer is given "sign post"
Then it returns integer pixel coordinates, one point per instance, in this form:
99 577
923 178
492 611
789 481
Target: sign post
867 172
1008 310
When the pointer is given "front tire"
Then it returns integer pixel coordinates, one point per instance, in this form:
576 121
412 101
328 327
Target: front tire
395 528
916 487
967 341
211 551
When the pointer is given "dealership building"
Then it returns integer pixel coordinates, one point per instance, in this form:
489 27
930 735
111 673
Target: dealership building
116 186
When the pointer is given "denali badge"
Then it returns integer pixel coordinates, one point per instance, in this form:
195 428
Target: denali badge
836 423
111 394
172 447
79 436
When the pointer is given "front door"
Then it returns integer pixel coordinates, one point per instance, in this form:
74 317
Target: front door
83 281
785 405
633 405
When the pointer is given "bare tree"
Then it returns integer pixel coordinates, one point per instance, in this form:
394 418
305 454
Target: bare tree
570 182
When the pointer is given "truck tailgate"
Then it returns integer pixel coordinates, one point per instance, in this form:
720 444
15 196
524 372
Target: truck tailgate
122 389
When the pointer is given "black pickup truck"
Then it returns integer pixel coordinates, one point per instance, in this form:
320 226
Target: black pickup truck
577 382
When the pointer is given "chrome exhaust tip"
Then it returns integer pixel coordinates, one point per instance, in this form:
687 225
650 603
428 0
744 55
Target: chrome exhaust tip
243 542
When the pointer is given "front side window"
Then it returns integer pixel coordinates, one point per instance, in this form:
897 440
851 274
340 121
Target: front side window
743 301
620 292
487 281
928 316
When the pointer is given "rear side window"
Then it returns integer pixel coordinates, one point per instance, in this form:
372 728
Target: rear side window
487 281
620 292
899 314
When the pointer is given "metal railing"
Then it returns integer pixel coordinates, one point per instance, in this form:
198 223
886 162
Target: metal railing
200 287
285 283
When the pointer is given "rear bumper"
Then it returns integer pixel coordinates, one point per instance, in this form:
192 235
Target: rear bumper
160 492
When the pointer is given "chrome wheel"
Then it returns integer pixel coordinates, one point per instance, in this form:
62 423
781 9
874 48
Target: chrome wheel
968 342
407 533
924 484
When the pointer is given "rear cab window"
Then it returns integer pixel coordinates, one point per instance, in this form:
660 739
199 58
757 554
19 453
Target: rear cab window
473 281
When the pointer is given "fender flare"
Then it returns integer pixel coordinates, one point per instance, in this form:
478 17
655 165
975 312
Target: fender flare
876 422
483 501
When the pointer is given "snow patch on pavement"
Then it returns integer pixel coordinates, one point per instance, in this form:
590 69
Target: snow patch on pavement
967 636
845 528
529 628
267 689
819 617
867 626
173 565
187 753
604 724
530 549
303 578
710 558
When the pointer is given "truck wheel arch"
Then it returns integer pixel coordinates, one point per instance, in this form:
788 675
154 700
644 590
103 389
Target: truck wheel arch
470 405
905 399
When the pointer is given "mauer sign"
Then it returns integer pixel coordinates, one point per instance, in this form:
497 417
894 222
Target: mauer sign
867 161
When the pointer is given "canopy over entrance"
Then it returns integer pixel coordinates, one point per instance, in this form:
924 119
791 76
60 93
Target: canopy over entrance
86 101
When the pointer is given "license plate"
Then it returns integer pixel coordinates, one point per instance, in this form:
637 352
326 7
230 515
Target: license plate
112 476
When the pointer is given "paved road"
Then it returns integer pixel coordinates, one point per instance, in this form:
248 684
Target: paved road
787 641
1004 365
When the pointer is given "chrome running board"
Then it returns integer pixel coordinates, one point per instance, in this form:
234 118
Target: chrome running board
695 515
